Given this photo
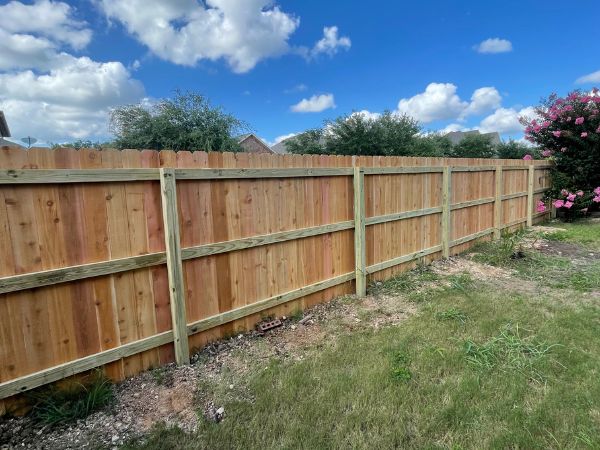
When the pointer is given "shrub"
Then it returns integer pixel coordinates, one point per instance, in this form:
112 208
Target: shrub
568 132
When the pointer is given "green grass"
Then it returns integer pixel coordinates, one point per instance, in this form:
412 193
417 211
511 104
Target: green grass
55 406
583 232
477 367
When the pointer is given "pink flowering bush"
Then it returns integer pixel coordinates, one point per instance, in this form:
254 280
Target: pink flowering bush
568 132
575 204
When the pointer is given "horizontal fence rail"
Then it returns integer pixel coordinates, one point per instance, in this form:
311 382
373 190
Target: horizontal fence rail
325 228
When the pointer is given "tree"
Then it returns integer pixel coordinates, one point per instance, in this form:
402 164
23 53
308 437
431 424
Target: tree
474 146
80 143
186 122
568 132
356 134
431 145
516 150
308 143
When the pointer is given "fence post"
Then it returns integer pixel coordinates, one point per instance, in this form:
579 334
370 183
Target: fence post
174 267
359 232
530 180
498 203
446 200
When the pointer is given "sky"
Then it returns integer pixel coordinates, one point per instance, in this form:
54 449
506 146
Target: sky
286 66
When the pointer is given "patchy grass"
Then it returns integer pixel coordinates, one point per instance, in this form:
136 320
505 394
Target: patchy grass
585 232
477 367
54 406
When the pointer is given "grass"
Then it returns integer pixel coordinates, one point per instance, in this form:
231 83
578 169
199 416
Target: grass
582 232
477 367
55 406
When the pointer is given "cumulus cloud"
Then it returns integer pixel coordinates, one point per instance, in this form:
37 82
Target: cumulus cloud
483 100
283 137
367 114
186 31
593 77
506 120
494 45
438 102
46 18
441 102
72 101
330 43
46 92
316 103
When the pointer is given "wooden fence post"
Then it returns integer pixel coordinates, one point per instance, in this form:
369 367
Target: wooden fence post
530 179
446 200
359 232
498 203
174 266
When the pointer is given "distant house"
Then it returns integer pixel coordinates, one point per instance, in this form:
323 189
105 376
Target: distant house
252 144
457 136
280 147
5 132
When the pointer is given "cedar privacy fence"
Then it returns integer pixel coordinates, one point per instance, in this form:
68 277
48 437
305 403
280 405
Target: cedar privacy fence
126 260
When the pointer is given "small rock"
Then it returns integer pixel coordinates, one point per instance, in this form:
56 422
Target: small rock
231 386
293 327
114 439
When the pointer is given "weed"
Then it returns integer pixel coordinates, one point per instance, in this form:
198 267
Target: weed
400 371
161 375
54 406
452 314
508 351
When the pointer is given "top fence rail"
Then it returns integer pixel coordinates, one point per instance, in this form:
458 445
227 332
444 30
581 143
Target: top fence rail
45 176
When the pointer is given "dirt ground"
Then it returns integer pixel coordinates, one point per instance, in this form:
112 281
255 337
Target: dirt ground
175 395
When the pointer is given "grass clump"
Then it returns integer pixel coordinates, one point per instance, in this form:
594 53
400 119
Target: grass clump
54 406
452 314
508 351
400 370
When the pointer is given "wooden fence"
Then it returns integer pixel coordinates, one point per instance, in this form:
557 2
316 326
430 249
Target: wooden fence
126 260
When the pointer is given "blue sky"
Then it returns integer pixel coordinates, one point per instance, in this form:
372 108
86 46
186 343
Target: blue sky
452 65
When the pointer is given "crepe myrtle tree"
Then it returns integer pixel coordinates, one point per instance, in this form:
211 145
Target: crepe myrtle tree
567 130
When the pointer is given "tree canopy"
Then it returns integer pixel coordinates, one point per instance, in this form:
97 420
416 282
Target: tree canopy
186 122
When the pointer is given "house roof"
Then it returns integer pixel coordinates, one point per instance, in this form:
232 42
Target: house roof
243 137
4 131
457 136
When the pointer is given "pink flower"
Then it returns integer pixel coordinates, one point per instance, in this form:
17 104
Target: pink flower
564 149
559 203
564 192
596 199
569 119
597 190
527 157
584 134
579 120
546 153
537 128
579 193
541 207
546 124
568 205
568 108
571 197
556 133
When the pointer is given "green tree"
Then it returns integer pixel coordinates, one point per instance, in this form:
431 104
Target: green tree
308 143
81 143
431 145
515 150
357 134
186 122
474 146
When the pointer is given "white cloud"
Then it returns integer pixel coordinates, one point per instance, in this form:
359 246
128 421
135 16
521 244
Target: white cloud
61 96
505 120
316 103
185 32
278 139
72 101
593 77
46 18
330 43
483 100
438 102
367 114
453 127
494 45
441 102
